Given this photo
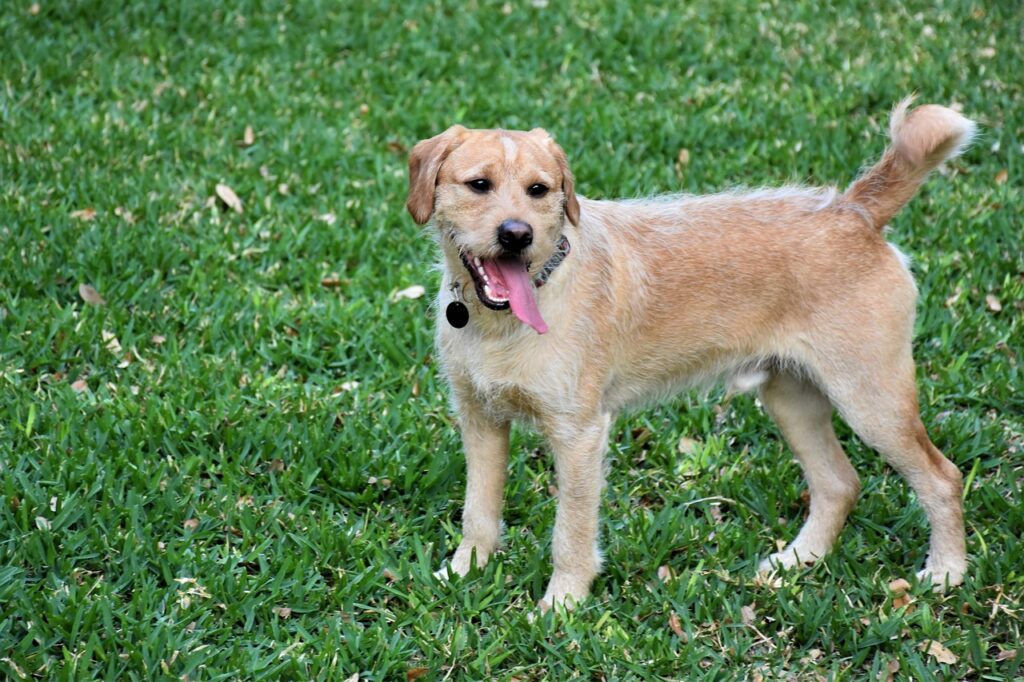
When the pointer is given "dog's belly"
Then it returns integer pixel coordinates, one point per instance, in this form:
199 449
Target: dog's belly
640 386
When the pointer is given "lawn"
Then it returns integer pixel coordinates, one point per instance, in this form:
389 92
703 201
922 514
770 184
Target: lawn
232 458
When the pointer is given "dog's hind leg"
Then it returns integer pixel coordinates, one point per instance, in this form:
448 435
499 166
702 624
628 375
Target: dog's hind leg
804 416
878 399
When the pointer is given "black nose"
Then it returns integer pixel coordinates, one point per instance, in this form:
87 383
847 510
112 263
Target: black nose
515 235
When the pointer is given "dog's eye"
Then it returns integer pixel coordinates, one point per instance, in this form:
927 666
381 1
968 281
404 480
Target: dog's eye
481 185
537 191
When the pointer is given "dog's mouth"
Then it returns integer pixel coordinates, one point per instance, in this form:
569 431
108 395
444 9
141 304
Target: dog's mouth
504 282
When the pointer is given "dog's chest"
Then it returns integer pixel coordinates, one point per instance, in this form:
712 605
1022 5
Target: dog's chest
511 378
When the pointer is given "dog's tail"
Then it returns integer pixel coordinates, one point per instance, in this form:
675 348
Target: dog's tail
920 140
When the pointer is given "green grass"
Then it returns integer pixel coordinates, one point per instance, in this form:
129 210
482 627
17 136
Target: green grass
155 524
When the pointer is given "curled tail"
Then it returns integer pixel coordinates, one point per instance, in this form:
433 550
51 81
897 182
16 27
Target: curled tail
920 140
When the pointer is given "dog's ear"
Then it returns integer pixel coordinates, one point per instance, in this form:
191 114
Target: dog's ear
572 204
424 164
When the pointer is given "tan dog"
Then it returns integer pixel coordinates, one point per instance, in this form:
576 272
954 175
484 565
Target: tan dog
794 292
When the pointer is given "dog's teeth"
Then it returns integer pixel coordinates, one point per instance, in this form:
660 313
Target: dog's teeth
476 261
487 290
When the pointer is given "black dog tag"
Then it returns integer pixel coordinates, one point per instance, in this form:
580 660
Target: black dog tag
457 314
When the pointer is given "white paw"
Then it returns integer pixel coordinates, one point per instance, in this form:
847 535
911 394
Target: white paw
788 558
943 574
565 590
461 563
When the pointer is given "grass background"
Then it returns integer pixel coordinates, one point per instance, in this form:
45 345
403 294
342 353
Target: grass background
260 474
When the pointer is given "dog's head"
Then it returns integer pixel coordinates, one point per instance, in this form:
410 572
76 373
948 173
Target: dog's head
500 199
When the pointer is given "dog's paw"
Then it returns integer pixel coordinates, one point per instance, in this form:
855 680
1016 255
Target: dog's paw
461 563
565 590
788 558
943 574
445 572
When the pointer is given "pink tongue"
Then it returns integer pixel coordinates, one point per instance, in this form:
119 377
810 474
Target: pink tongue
520 297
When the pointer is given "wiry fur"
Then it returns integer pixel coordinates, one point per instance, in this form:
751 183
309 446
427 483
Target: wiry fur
793 292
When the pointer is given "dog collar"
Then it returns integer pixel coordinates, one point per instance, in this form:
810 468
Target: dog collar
561 251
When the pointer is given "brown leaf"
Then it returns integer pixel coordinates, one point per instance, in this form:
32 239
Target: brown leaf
1002 176
899 587
331 281
687 445
276 466
84 214
389 575
248 137
993 303
413 292
354 677
157 339
683 158
748 615
283 611
937 651
90 295
901 600
33 9
190 524
79 385
954 298
415 673
891 668
1006 655
110 342
228 196
664 574
676 626
125 214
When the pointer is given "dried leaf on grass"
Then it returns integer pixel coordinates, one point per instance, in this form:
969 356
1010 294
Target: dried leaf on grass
687 445
415 673
228 196
84 214
79 385
413 292
676 626
939 652
283 612
899 587
90 295
992 303
748 615
111 343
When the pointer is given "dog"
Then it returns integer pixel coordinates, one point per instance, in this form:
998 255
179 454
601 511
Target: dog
564 311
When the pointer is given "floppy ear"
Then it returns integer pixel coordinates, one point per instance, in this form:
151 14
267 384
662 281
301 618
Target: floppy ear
572 204
424 163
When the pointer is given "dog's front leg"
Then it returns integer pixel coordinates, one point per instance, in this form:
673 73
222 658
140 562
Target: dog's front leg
485 443
579 453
